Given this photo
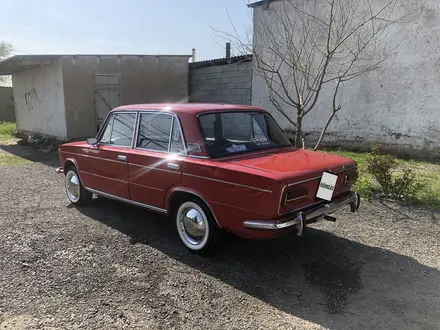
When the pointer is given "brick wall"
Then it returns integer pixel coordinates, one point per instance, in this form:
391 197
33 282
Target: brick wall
7 112
221 82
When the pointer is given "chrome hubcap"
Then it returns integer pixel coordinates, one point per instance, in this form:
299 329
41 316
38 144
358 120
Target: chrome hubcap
72 186
193 225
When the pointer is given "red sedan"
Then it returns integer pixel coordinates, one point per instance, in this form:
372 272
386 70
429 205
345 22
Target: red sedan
212 167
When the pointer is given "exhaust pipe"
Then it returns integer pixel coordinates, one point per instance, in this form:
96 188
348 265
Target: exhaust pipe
329 218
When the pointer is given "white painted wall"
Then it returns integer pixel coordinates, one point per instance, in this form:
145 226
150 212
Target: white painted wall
397 105
39 101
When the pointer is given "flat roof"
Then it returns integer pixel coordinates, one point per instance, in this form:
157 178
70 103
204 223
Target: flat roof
259 3
25 62
192 108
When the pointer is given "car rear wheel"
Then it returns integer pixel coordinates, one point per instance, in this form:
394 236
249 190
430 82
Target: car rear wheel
75 190
196 226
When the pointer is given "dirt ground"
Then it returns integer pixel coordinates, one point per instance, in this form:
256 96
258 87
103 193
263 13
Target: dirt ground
114 266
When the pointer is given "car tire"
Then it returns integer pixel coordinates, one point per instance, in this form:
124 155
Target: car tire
76 193
196 226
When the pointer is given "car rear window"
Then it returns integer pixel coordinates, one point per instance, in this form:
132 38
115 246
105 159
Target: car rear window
231 132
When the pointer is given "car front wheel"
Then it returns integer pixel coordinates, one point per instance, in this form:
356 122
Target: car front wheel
76 192
196 226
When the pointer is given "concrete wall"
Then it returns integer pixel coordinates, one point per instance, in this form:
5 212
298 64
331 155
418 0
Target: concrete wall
143 79
228 83
39 101
7 112
397 105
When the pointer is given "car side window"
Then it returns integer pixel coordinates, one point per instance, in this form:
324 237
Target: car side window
176 139
154 131
119 130
106 136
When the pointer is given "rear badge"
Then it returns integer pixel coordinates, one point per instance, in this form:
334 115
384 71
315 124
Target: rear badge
327 186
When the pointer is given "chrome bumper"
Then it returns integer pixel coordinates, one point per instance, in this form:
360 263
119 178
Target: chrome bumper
299 219
59 170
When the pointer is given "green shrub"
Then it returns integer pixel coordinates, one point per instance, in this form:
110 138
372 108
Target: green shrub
394 181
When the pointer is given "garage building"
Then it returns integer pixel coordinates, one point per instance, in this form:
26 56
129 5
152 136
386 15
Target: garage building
68 96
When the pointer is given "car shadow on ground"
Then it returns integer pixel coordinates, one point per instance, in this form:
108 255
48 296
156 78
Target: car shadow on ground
32 154
320 277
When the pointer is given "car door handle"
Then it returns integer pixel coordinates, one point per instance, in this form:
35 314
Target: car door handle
122 158
173 166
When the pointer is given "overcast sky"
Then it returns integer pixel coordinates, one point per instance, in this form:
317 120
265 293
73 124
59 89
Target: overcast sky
123 26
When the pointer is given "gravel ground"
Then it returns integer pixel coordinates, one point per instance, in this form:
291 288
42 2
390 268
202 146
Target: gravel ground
114 266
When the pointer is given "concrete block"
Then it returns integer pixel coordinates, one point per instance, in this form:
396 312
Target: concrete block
213 75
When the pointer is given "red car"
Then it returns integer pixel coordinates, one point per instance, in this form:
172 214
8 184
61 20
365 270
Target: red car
212 167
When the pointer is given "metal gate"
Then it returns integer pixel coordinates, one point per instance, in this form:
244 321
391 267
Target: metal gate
106 96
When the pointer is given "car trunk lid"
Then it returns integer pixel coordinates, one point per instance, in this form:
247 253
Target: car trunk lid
299 172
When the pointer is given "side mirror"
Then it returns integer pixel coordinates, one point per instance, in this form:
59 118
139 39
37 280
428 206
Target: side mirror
92 141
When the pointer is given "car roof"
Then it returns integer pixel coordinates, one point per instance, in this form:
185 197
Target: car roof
190 108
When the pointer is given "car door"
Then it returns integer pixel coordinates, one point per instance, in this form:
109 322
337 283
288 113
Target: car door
156 161
107 162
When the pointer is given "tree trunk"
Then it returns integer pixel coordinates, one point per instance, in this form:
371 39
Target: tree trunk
298 135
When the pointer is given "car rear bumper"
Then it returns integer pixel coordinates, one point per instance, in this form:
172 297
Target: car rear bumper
299 219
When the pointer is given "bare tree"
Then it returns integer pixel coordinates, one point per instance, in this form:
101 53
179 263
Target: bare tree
303 47
6 50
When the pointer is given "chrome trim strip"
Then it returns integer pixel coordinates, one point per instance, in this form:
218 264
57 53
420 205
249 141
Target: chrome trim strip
296 198
152 150
266 225
171 134
207 204
141 185
199 157
154 168
105 159
135 130
328 208
113 145
104 177
281 199
94 157
227 182
154 208
304 181
72 153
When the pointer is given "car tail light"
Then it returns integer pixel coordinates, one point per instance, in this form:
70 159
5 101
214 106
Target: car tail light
295 195
349 178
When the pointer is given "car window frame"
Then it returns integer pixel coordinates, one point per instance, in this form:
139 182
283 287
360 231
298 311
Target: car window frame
110 116
174 118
